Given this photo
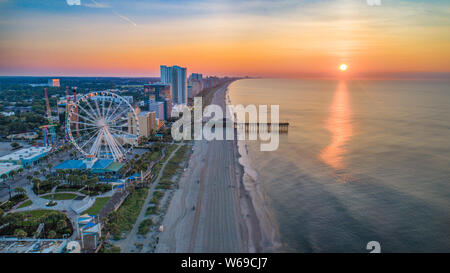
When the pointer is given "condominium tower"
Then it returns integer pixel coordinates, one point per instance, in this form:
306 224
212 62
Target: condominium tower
176 77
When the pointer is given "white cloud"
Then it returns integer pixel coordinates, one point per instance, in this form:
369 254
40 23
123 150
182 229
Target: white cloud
73 2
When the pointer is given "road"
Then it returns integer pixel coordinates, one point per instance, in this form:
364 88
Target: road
20 180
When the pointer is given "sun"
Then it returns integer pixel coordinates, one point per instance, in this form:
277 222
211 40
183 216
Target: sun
343 67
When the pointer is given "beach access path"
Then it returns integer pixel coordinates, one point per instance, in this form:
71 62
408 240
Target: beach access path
132 238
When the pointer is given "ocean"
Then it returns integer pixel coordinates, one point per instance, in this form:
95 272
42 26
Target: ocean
364 160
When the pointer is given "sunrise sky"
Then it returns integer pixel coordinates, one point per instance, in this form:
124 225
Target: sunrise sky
285 38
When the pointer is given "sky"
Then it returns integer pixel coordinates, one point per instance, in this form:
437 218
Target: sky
284 38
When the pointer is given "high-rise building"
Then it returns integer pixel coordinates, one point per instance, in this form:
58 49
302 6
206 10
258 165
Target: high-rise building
196 77
176 77
132 128
196 87
168 108
166 74
189 91
158 108
160 91
147 123
195 81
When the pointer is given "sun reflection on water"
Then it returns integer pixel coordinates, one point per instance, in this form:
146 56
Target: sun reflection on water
340 126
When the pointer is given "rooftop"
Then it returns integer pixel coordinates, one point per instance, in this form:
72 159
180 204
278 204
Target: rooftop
7 167
25 153
71 164
99 165
28 245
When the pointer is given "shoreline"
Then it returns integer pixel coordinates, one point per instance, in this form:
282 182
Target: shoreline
214 208
263 230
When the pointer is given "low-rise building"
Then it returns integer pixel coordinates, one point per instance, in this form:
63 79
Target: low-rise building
26 156
96 165
30 245
25 136
6 168
8 114
54 83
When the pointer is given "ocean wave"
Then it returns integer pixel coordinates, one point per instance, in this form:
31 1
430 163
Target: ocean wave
269 227
244 160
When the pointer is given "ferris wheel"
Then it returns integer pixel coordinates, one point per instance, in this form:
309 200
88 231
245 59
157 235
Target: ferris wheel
103 125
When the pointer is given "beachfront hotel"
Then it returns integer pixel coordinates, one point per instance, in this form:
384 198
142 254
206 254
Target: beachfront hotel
176 77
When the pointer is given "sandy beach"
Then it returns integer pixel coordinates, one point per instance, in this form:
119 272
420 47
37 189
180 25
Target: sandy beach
213 210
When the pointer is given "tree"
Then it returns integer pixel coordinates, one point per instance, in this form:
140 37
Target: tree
61 224
20 233
15 145
51 234
36 182
84 178
12 174
4 176
20 190
36 173
1 213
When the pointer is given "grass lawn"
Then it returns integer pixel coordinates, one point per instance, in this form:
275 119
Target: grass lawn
155 155
169 150
25 204
174 163
37 213
60 196
127 214
98 205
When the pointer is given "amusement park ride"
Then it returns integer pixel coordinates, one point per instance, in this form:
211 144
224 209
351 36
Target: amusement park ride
98 124
102 125
53 141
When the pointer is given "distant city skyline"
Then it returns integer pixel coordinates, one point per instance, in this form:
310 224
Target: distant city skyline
226 38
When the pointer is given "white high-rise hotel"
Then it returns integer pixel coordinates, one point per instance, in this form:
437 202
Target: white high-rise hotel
176 77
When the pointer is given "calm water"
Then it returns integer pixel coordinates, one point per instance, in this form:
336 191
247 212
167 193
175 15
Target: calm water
363 161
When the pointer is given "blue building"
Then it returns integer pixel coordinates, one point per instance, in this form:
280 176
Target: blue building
98 166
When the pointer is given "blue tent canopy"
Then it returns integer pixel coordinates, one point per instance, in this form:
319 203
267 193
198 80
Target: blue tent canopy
71 164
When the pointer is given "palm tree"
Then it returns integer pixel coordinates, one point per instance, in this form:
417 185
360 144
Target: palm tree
12 174
37 181
4 177
50 166
20 190
84 178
